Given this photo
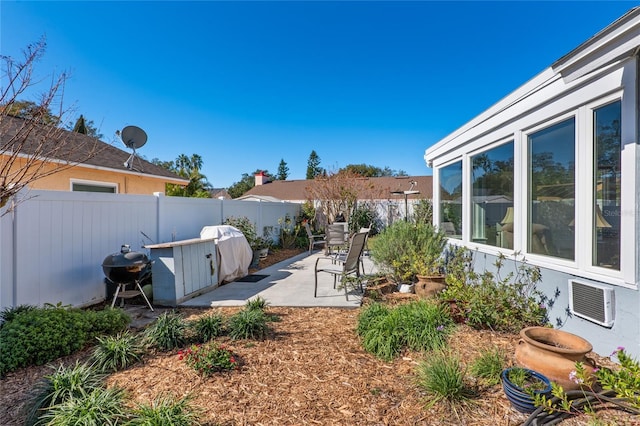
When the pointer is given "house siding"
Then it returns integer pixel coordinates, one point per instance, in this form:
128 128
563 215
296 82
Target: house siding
604 70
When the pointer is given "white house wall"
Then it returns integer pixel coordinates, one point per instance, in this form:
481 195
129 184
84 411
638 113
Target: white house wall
600 71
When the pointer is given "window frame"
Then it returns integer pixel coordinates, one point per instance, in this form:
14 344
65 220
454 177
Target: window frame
100 184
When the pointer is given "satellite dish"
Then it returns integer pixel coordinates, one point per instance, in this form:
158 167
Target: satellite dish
133 137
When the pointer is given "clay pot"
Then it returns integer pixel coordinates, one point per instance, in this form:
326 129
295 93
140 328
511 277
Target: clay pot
429 286
553 353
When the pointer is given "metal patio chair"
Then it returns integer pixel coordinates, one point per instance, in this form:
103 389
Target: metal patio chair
343 266
314 239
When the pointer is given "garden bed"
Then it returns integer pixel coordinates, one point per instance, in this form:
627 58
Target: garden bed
311 369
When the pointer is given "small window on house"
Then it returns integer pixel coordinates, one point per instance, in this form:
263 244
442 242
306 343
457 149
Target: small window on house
606 186
492 198
451 200
552 191
91 187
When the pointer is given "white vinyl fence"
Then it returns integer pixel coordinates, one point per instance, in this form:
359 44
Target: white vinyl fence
53 243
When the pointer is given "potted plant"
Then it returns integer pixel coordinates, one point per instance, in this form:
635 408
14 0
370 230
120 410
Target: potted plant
520 385
260 246
405 250
429 271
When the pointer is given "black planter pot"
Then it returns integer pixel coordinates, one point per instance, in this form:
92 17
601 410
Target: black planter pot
520 399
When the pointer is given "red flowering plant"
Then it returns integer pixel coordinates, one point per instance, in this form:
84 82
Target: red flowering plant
209 359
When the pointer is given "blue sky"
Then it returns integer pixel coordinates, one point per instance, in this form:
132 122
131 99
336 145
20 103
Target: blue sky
246 84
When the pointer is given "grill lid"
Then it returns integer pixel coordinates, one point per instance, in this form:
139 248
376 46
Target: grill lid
126 258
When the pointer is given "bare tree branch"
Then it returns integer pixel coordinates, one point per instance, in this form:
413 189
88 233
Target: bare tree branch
32 145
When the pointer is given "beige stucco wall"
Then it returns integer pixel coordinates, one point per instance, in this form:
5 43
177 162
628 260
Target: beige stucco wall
127 183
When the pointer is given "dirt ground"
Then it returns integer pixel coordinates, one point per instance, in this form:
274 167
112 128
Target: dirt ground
310 370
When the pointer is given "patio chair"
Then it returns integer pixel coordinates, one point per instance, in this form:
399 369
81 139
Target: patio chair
348 264
336 237
314 239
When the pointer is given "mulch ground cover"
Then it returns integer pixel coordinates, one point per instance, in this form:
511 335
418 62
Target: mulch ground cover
310 370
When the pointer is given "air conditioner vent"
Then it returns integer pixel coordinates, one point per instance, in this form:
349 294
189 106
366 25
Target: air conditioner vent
592 302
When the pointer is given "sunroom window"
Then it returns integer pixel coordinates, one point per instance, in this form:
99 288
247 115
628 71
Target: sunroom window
606 186
451 200
492 199
551 167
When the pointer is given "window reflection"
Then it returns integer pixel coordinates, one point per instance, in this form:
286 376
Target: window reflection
451 200
492 198
552 191
607 180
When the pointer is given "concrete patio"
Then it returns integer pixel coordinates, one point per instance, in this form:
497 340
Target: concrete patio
288 283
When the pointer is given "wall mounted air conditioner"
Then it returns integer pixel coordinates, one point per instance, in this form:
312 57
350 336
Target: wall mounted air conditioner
592 302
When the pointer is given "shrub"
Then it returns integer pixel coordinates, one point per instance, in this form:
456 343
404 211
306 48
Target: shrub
207 327
168 332
364 215
248 324
8 314
108 321
420 325
488 366
244 225
486 300
165 410
38 336
64 383
98 407
442 376
401 247
209 359
35 336
118 352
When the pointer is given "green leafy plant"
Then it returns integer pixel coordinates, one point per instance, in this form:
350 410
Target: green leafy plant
38 336
248 324
404 250
8 314
209 359
442 376
419 325
35 336
488 366
523 379
289 232
208 327
166 410
98 407
488 300
619 387
168 332
108 321
258 302
118 352
55 388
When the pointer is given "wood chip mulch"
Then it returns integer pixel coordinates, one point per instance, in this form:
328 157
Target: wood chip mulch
310 370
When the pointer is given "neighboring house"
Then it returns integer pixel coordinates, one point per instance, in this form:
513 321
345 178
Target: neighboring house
552 171
220 194
383 191
104 171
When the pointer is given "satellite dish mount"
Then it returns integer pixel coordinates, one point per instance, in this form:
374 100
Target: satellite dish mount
134 138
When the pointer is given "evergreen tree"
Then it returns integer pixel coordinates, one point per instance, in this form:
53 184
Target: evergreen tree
80 126
86 127
313 166
248 181
283 170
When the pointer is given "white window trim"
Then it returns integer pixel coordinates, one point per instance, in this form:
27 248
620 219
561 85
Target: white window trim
93 183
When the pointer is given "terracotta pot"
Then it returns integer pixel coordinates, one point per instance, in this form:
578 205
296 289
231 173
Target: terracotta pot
554 354
429 286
